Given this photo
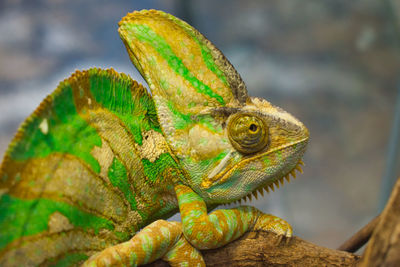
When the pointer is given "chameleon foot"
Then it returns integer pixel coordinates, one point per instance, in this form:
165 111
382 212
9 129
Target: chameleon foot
271 223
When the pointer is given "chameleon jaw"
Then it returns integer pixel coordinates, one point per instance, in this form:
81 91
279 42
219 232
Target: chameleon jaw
222 172
270 185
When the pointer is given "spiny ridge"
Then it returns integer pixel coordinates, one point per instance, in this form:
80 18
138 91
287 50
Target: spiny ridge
255 194
261 191
298 168
277 183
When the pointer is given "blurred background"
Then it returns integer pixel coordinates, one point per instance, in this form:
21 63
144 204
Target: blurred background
334 64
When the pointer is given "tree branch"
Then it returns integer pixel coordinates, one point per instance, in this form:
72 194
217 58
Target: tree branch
264 248
384 246
357 240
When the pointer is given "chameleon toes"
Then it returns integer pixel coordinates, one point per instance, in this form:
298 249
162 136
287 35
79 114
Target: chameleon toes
274 224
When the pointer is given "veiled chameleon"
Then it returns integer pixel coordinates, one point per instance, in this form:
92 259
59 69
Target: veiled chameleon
101 158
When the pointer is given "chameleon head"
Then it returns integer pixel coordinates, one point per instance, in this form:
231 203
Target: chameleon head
266 145
228 143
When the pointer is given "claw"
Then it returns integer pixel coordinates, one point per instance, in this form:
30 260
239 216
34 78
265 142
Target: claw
279 240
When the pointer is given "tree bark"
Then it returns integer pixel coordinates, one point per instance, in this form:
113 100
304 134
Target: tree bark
267 249
384 247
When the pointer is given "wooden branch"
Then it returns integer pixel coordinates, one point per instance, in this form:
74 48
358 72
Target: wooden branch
384 246
266 249
357 240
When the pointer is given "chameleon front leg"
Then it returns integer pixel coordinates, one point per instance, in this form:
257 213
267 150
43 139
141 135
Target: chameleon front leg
221 226
159 240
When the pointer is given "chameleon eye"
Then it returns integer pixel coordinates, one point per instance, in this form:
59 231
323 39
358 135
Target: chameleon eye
248 133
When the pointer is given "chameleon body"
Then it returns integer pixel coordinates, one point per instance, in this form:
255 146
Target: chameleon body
92 172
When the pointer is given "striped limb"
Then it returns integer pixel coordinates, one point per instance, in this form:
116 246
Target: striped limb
161 239
221 226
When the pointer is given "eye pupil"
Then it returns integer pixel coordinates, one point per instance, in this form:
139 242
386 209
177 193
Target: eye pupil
253 127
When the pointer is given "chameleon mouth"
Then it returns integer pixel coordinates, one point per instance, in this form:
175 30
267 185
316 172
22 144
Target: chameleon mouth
270 185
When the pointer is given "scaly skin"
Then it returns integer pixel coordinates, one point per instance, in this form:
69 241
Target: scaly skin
101 158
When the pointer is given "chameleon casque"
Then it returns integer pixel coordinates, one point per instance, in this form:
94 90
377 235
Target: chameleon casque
92 173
